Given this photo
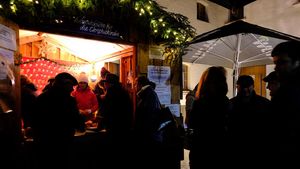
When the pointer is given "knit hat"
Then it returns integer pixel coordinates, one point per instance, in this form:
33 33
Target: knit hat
83 77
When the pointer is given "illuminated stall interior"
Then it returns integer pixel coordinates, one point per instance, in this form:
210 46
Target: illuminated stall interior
44 55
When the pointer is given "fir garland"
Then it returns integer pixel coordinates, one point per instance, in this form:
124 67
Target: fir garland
171 29
151 21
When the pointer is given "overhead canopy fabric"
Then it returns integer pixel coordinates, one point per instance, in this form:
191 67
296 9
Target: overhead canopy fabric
238 44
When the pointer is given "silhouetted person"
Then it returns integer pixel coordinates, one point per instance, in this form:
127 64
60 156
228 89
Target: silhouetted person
190 98
28 98
286 102
48 85
150 153
10 129
273 83
248 121
118 115
100 92
208 119
54 122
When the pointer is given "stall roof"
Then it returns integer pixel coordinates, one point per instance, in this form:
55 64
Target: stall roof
86 49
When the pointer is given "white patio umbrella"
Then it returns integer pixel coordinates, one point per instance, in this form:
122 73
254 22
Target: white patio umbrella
238 44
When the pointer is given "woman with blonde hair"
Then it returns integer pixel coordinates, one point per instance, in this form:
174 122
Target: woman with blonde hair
208 119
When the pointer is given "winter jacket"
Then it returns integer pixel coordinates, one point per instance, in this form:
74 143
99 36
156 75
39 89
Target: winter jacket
86 99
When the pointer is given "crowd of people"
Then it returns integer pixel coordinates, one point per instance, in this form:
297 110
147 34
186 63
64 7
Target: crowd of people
247 127
68 105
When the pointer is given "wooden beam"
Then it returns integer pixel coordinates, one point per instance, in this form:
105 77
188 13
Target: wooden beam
29 39
116 55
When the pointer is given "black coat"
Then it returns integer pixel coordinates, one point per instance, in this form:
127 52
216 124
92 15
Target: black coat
56 117
208 119
117 110
286 115
249 124
147 113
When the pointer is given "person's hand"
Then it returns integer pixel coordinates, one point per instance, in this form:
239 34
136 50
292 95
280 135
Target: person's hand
85 111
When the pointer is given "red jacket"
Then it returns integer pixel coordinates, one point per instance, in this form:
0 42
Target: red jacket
86 99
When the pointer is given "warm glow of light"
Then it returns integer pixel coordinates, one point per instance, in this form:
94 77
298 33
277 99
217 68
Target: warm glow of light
93 78
89 50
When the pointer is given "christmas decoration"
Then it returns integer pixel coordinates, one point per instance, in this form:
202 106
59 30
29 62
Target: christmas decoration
165 27
39 70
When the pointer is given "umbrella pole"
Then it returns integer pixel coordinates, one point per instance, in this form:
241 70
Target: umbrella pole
236 64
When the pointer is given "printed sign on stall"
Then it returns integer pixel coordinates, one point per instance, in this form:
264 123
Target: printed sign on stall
8 38
8 55
175 109
160 76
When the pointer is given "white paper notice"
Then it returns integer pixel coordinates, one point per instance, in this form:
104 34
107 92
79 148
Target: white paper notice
8 38
8 55
175 109
160 76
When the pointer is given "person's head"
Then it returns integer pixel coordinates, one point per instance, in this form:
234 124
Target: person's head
152 84
65 82
50 82
24 80
212 82
245 85
111 80
141 81
83 81
273 83
286 57
103 72
27 84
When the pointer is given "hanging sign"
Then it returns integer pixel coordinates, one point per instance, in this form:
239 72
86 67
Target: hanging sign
7 38
96 28
160 76
175 109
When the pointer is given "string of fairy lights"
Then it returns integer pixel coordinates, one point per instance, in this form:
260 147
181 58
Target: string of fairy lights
171 27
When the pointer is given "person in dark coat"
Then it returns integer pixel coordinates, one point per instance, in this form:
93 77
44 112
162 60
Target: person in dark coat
208 119
100 92
150 153
148 106
10 127
117 115
190 98
28 98
249 121
286 102
54 122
